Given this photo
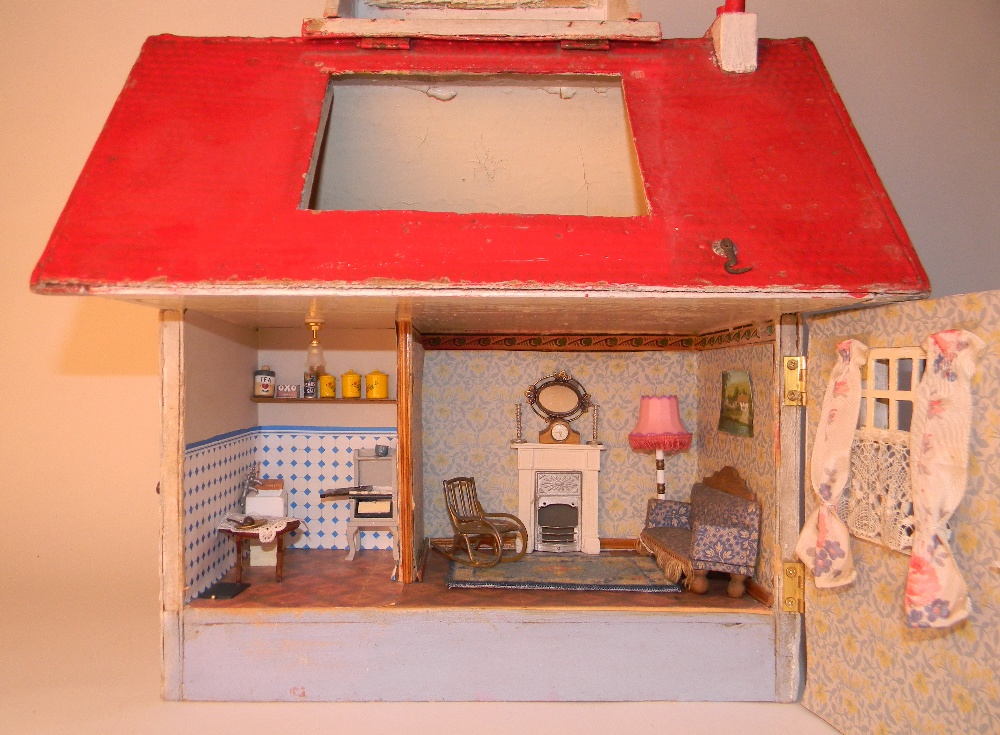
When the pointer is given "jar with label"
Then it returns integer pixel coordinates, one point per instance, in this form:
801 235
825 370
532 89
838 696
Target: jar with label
350 384
327 386
310 384
263 382
315 366
376 385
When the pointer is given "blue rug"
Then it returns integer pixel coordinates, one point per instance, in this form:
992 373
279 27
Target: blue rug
551 571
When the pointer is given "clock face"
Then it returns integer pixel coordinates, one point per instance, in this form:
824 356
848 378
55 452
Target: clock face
560 431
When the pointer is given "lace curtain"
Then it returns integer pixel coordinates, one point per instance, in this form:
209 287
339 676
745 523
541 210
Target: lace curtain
878 505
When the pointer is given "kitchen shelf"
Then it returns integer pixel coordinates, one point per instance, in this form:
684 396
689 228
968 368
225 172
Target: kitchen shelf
263 399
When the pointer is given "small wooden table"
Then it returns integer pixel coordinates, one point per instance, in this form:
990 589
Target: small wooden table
251 534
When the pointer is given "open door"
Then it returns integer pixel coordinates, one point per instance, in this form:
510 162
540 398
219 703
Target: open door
867 670
410 368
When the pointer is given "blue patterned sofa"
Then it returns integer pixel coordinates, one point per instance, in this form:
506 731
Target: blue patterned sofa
717 531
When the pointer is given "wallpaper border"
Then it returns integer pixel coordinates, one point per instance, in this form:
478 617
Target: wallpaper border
744 335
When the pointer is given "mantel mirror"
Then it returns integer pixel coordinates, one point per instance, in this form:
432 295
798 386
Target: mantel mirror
558 398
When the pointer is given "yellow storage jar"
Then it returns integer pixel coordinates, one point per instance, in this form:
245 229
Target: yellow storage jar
376 385
350 385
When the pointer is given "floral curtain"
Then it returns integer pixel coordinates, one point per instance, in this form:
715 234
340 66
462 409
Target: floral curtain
936 595
824 544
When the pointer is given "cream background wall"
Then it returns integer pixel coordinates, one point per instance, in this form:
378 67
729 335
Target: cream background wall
362 351
79 408
215 352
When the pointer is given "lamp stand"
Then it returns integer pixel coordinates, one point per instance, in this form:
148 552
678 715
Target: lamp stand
661 476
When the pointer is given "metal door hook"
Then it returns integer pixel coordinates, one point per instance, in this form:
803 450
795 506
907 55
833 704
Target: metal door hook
727 249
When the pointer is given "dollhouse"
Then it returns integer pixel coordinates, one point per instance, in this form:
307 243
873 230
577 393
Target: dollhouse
469 211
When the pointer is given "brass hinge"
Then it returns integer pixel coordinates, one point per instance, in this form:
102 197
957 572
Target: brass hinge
793 588
795 380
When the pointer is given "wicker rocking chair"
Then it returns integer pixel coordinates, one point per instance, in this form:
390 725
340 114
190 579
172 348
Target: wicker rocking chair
479 536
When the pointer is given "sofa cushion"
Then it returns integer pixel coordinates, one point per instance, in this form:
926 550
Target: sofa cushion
672 513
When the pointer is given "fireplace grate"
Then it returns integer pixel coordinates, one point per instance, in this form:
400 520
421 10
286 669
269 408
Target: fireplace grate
558 526
558 534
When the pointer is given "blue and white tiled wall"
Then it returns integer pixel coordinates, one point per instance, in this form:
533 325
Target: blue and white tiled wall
214 471
311 459
308 458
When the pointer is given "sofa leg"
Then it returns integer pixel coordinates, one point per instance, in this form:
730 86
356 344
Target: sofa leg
699 581
737 585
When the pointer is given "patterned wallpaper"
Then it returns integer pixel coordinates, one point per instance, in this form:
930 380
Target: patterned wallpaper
867 671
754 457
468 424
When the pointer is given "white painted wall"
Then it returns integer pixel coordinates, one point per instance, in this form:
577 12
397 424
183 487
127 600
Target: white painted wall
360 350
219 360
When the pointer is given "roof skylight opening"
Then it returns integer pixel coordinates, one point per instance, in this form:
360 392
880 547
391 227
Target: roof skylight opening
515 144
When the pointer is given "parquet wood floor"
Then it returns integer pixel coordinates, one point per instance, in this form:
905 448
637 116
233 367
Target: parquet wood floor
324 579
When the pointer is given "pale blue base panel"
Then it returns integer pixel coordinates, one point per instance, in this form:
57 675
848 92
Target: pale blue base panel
477 655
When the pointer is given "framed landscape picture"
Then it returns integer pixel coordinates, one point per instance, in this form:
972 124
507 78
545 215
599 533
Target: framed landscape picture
736 414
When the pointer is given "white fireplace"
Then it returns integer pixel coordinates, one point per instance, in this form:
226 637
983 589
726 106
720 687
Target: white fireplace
557 495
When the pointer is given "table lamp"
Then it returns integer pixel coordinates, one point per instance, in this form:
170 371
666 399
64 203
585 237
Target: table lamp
659 429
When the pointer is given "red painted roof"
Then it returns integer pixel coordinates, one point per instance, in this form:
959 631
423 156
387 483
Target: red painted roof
198 174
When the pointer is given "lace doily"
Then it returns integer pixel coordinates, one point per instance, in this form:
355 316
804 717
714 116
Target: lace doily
878 505
266 532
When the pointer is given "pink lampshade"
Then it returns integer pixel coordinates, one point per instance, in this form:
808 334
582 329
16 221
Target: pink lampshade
659 426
